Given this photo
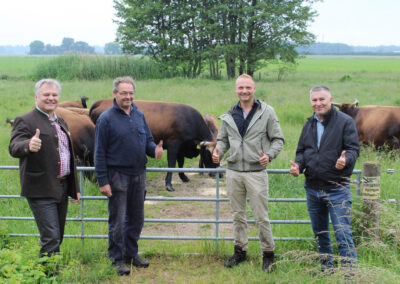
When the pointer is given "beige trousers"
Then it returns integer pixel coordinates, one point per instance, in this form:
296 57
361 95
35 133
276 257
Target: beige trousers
255 186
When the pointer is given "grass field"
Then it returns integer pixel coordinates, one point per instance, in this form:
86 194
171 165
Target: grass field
373 80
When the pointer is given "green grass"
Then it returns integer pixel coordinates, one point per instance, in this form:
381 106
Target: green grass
373 80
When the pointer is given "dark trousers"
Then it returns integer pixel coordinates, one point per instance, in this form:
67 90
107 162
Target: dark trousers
50 215
336 204
126 215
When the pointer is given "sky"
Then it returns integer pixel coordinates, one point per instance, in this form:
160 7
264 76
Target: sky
353 22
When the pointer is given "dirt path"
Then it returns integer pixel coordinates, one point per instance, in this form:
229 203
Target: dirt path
198 186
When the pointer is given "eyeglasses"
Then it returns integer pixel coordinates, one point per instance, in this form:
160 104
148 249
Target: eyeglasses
126 93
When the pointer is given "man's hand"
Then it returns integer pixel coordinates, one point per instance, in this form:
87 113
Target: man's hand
106 190
294 169
215 156
341 162
77 198
264 159
159 150
35 143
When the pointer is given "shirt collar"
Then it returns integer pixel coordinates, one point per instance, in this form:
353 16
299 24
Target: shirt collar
46 114
316 118
256 104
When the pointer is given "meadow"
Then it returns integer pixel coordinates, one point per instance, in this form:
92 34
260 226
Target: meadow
372 80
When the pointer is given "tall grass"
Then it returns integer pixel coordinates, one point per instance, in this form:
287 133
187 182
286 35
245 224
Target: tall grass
96 67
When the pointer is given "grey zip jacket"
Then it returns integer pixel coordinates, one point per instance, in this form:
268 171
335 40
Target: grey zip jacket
263 133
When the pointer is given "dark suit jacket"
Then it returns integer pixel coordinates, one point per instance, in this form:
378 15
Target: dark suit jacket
39 172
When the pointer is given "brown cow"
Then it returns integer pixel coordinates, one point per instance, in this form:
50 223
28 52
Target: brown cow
181 127
376 125
81 128
78 104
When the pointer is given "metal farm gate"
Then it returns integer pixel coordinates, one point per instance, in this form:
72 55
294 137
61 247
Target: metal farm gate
217 220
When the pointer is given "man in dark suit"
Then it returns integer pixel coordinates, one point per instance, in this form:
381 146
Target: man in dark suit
42 143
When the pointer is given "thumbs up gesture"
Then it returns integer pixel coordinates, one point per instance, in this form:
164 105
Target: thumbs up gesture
341 162
215 156
264 159
159 150
294 169
35 143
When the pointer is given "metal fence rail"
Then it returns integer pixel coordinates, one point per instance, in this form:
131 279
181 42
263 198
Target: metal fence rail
215 221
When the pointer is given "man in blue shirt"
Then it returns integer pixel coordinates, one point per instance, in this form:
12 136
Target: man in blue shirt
326 153
122 141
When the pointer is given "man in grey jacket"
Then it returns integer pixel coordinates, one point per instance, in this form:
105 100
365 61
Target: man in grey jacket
251 132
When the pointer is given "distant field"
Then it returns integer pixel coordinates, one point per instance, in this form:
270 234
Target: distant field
19 66
350 64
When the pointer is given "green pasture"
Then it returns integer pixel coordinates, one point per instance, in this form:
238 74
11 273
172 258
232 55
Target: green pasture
373 80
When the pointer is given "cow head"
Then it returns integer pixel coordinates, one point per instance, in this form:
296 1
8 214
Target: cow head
206 151
348 108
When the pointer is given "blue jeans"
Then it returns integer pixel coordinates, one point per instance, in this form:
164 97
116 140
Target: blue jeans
335 203
126 215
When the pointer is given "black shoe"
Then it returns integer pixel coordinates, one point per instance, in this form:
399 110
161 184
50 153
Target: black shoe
122 269
238 257
268 260
137 261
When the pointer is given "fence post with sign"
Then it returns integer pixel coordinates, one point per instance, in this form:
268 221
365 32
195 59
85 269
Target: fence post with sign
371 195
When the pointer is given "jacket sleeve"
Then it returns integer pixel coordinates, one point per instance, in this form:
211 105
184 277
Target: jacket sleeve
100 149
150 145
222 139
275 135
20 137
300 152
350 143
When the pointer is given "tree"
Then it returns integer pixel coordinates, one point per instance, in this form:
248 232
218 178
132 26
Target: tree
112 48
67 44
183 34
82 47
36 47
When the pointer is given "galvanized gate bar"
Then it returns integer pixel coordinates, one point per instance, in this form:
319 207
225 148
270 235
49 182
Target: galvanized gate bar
215 221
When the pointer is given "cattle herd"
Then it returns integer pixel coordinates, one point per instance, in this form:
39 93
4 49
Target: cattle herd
187 134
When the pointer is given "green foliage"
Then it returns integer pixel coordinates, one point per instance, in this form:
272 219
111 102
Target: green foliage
183 35
19 262
96 67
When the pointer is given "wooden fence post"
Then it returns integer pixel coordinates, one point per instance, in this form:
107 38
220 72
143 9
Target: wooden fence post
371 194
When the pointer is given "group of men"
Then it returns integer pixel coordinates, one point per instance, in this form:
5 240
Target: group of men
251 134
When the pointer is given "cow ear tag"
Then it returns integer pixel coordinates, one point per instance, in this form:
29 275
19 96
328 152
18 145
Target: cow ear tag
198 147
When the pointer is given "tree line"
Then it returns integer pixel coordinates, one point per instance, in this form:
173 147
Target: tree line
70 46
187 36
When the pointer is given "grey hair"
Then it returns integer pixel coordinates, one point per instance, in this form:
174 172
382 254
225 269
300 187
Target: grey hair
125 79
320 88
48 81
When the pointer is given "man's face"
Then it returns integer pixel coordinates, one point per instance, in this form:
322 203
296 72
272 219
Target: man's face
47 99
321 103
245 89
124 96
